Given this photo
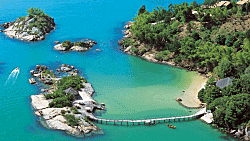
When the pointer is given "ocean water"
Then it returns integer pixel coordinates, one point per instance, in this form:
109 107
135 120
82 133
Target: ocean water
130 87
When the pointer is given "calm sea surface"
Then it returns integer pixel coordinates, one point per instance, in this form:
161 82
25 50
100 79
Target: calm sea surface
130 87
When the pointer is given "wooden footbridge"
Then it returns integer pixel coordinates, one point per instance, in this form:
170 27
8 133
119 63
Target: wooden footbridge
148 121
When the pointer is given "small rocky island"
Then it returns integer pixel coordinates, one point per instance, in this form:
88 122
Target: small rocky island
67 104
32 27
75 46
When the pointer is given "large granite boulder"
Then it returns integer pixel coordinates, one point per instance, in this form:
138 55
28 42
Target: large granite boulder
78 48
60 47
39 102
32 81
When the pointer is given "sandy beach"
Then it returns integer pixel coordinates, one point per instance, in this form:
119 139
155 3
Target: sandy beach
190 96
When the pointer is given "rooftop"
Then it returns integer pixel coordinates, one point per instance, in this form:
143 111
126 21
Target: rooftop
224 82
71 91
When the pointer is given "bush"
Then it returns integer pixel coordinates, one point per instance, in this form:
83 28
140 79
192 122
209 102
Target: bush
127 42
230 40
143 51
134 50
35 11
57 93
67 44
75 111
71 81
163 55
46 72
86 118
61 102
82 44
63 112
72 120
220 39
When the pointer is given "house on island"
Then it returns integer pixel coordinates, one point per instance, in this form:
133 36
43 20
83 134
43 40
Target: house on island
71 91
224 82
226 4
242 3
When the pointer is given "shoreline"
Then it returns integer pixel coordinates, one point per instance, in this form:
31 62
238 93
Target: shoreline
190 96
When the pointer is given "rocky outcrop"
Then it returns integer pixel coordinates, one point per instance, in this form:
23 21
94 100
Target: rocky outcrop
39 102
76 46
29 28
32 81
60 47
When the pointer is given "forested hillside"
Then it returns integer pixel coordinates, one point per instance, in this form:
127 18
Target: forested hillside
207 37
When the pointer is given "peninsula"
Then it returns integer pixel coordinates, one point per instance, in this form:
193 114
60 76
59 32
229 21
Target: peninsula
67 104
32 27
212 38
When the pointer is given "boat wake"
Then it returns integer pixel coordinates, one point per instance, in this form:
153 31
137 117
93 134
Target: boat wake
13 76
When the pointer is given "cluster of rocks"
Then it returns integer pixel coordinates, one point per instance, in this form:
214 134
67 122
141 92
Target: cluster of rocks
6 25
28 28
67 68
54 118
243 133
88 44
38 72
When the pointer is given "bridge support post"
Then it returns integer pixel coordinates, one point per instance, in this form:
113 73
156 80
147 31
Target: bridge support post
127 123
114 122
174 119
133 123
101 121
164 120
121 123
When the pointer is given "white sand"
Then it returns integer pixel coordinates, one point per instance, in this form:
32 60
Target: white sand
190 96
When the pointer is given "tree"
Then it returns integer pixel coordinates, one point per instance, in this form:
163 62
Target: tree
247 34
211 94
142 10
230 40
35 11
195 35
220 39
225 68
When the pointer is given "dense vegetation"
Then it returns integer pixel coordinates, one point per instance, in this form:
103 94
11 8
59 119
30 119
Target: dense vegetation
71 120
36 19
60 99
68 44
46 72
214 40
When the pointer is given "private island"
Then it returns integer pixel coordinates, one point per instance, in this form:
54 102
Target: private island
32 27
67 103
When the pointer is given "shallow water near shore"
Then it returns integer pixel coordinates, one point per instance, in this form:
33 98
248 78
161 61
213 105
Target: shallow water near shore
131 88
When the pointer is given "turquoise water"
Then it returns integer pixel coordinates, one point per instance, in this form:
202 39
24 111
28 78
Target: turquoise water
130 87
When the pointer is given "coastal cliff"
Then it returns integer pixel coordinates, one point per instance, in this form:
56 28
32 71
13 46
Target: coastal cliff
65 107
32 27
